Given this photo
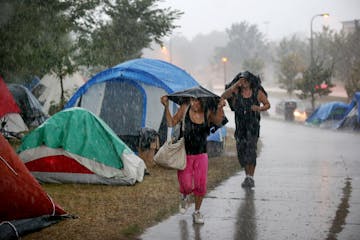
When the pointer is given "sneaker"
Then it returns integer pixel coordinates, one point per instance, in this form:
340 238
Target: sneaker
198 218
246 182
251 182
184 204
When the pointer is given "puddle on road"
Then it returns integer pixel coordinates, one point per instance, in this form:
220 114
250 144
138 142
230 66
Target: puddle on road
341 212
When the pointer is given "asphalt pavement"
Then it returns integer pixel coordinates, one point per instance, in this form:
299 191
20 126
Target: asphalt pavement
307 187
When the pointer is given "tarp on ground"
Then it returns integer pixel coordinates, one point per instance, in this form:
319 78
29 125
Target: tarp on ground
31 109
24 206
75 146
351 119
328 114
10 118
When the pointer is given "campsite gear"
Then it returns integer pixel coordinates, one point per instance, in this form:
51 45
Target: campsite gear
10 119
172 154
25 206
31 109
328 115
148 145
216 142
75 146
126 96
255 83
351 120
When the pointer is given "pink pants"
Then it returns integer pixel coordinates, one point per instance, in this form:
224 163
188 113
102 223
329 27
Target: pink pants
193 178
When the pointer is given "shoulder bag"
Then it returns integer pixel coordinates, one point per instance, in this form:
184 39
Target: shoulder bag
172 154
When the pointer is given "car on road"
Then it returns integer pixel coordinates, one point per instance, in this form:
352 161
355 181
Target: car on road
293 110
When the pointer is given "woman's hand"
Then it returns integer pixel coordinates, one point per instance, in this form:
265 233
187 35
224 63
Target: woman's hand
221 103
256 108
165 101
238 84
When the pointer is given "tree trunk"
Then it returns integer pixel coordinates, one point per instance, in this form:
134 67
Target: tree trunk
62 98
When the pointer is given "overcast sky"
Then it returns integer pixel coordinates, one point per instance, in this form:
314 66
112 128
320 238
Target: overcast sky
275 18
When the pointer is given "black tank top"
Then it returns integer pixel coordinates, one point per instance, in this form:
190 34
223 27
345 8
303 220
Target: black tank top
246 120
195 135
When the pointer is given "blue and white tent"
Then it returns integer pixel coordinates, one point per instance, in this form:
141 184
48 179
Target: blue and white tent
328 115
351 120
127 96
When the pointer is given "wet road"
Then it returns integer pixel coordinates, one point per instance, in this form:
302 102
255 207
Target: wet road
307 187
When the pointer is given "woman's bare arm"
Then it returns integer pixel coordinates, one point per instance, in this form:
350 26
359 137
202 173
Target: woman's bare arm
234 89
263 100
172 120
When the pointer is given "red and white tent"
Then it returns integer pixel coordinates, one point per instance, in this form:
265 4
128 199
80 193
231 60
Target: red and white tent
24 205
9 111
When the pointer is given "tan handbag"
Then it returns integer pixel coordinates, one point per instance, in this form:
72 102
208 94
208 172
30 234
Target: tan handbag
172 154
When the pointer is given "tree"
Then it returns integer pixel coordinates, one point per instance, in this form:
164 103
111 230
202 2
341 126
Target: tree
291 54
325 48
316 82
35 36
254 65
133 25
348 59
23 50
246 48
39 37
290 68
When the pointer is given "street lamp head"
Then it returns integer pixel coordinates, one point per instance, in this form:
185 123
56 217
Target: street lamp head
224 59
325 15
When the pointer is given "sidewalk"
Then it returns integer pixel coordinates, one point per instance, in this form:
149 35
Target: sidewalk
307 187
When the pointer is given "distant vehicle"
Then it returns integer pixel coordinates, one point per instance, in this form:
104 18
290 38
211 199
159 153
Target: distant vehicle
293 110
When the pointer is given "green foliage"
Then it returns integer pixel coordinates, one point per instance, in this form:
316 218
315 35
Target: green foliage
348 60
254 65
324 47
291 62
316 82
342 51
133 25
35 38
246 48
352 84
131 230
39 37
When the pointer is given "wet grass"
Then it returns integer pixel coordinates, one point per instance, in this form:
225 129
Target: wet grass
124 212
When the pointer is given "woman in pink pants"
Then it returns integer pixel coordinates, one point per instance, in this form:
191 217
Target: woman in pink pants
198 119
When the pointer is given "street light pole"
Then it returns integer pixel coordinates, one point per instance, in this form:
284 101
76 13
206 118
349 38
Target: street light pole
224 60
311 34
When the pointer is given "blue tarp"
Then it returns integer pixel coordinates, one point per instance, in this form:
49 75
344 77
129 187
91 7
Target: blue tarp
328 111
218 135
351 119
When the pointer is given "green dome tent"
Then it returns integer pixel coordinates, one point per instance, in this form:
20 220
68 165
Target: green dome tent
75 146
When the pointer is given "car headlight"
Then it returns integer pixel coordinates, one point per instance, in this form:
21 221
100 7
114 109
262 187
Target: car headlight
300 115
